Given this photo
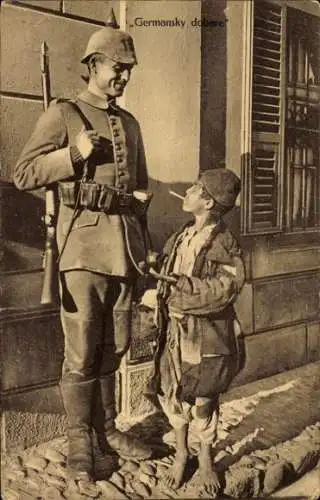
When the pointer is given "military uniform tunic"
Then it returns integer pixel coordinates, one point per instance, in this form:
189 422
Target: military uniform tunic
96 242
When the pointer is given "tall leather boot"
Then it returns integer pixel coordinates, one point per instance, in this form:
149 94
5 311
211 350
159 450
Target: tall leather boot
98 419
121 443
77 400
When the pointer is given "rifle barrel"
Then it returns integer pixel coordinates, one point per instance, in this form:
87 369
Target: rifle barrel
49 288
45 75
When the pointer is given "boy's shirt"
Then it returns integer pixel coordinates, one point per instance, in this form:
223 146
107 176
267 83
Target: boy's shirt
191 242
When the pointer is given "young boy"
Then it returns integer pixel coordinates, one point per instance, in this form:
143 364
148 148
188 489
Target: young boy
197 352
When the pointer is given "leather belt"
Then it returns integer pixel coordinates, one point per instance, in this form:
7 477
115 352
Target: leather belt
99 198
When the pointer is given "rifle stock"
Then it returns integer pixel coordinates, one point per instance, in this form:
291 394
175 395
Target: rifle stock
49 294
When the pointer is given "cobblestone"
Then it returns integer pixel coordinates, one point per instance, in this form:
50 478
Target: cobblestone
118 480
148 468
141 488
243 482
57 469
275 476
57 482
88 489
147 480
12 494
110 491
54 456
130 466
52 493
36 463
251 462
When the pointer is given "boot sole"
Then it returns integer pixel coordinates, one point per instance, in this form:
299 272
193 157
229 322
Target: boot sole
79 475
112 451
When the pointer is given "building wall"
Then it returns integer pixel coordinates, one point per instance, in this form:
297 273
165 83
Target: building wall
165 96
279 305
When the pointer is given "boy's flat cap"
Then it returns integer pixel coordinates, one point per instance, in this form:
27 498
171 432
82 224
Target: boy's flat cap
222 184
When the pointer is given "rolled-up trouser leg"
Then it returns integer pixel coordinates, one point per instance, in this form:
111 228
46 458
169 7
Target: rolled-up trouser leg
206 415
77 400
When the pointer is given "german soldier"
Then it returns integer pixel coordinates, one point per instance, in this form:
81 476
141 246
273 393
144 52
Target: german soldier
93 149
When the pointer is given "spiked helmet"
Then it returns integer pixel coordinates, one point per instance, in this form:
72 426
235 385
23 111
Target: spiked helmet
115 44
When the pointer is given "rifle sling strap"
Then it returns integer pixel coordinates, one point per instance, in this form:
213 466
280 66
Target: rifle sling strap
83 117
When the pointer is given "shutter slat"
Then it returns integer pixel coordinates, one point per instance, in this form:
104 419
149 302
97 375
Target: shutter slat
273 36
261 127
263 69
266 81
269 55
267 89
262 21
267 45
266 108
265 99
267 62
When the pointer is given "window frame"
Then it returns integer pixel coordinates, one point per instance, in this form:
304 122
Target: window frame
282 227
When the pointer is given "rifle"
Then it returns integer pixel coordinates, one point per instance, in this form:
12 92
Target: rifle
49 292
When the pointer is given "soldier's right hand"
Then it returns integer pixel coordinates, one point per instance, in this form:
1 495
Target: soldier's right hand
87 141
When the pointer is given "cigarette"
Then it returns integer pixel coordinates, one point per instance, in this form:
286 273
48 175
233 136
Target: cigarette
176 194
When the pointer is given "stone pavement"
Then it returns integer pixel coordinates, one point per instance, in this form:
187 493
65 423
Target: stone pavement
268 437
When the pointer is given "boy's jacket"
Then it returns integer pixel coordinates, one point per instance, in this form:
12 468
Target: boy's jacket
206 298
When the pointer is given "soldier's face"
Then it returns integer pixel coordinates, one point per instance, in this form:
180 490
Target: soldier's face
111 77
194 202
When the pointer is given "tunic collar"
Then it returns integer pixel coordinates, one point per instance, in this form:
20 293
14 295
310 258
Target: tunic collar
96 101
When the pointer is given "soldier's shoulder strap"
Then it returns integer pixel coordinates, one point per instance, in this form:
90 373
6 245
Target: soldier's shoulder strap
74 117
72 110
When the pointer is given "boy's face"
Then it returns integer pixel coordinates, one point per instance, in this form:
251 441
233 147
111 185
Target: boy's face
194 201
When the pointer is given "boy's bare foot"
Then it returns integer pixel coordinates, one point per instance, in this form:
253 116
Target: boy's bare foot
173 477
208 476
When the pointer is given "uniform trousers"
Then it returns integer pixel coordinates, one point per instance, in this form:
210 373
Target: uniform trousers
96 319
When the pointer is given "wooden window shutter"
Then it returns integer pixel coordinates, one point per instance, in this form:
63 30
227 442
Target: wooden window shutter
263 167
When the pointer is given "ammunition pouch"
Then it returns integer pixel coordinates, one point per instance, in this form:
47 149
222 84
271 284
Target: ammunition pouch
101 198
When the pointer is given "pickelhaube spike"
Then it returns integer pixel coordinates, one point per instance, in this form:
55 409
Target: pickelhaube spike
112 21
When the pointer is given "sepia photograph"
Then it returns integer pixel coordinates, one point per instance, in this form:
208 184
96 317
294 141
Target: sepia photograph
160 249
